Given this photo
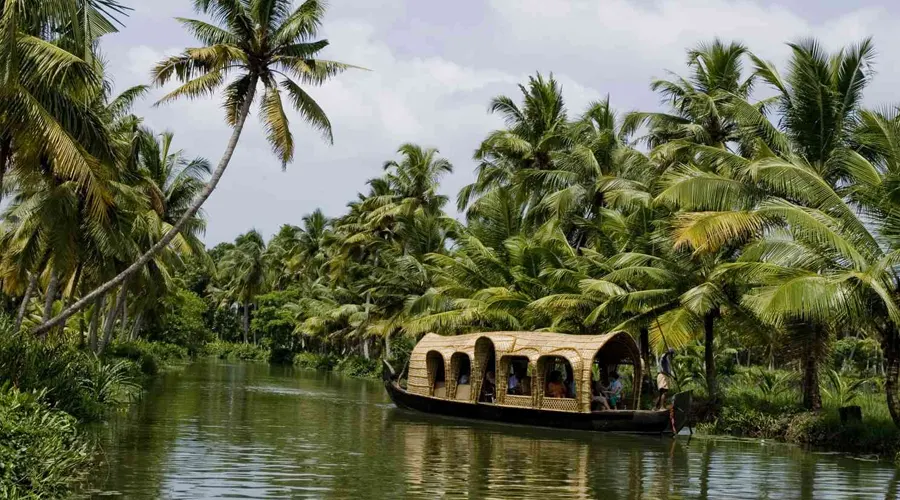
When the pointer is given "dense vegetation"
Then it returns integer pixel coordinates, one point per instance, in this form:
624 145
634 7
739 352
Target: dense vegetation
750 234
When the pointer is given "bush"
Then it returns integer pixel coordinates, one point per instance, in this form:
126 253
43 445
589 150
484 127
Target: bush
235 351
148 356
353 366
43 453
77 382
182 322
357 366
315 361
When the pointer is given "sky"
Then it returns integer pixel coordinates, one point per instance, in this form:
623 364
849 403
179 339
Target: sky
434 65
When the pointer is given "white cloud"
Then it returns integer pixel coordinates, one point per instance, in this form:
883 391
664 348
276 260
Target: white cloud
433 86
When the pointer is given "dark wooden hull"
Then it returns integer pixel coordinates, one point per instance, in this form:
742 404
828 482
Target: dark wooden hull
623 421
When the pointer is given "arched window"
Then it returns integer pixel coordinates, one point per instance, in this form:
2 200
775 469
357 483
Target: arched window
437 376
518 380
558 380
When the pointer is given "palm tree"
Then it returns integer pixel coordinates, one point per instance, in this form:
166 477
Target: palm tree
523 153
244 270
264 41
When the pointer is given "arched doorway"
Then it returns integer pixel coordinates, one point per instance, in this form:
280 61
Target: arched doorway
619 362
485 370
437 376
460 376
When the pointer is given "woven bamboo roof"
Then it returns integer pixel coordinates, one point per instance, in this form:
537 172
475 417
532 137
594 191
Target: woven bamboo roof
530 344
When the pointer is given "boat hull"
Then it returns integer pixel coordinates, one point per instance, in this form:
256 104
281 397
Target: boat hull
623 421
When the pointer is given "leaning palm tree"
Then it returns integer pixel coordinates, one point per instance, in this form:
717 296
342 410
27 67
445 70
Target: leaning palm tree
259 41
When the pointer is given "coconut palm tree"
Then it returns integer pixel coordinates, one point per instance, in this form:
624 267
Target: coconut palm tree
244 272
260 42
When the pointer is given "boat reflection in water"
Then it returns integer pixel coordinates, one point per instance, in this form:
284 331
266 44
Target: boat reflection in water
444 456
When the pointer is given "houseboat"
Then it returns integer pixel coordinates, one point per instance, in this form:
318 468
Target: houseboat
469 376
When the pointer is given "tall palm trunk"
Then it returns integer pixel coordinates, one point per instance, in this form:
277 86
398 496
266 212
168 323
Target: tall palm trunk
5 155
170 235
812 396
50 296
891 347
114 313
645 359
23 307
95 322
246 322
709 354
136 329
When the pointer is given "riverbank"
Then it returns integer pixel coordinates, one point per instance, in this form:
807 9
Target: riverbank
746 413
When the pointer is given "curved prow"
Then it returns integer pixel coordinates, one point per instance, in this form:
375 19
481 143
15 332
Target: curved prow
387 372
681 410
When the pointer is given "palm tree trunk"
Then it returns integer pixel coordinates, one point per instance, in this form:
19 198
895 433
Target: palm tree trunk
891 347
387 346
645 359
23 307
114 313
51 295
709 322
170 235
136 330
812 397
246 322
5 155
124 307
95 322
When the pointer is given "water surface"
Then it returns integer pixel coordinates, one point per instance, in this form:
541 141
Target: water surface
225 430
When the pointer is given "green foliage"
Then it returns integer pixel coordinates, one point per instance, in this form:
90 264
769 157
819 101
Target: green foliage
148 356
861 355
840 389
272 323
234 351
770 383
76 382
353 366
314 361
765 405
181 322
43 453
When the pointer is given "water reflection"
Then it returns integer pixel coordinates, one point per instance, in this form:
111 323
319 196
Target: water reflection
254 431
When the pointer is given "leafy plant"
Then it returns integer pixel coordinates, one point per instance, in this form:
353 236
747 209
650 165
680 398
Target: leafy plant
840 389
42 452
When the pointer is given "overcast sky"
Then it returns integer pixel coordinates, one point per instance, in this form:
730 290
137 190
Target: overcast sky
434 67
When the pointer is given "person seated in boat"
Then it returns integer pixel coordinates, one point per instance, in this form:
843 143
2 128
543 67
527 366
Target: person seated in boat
570 384
615 390
555 387
598 398
524 381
